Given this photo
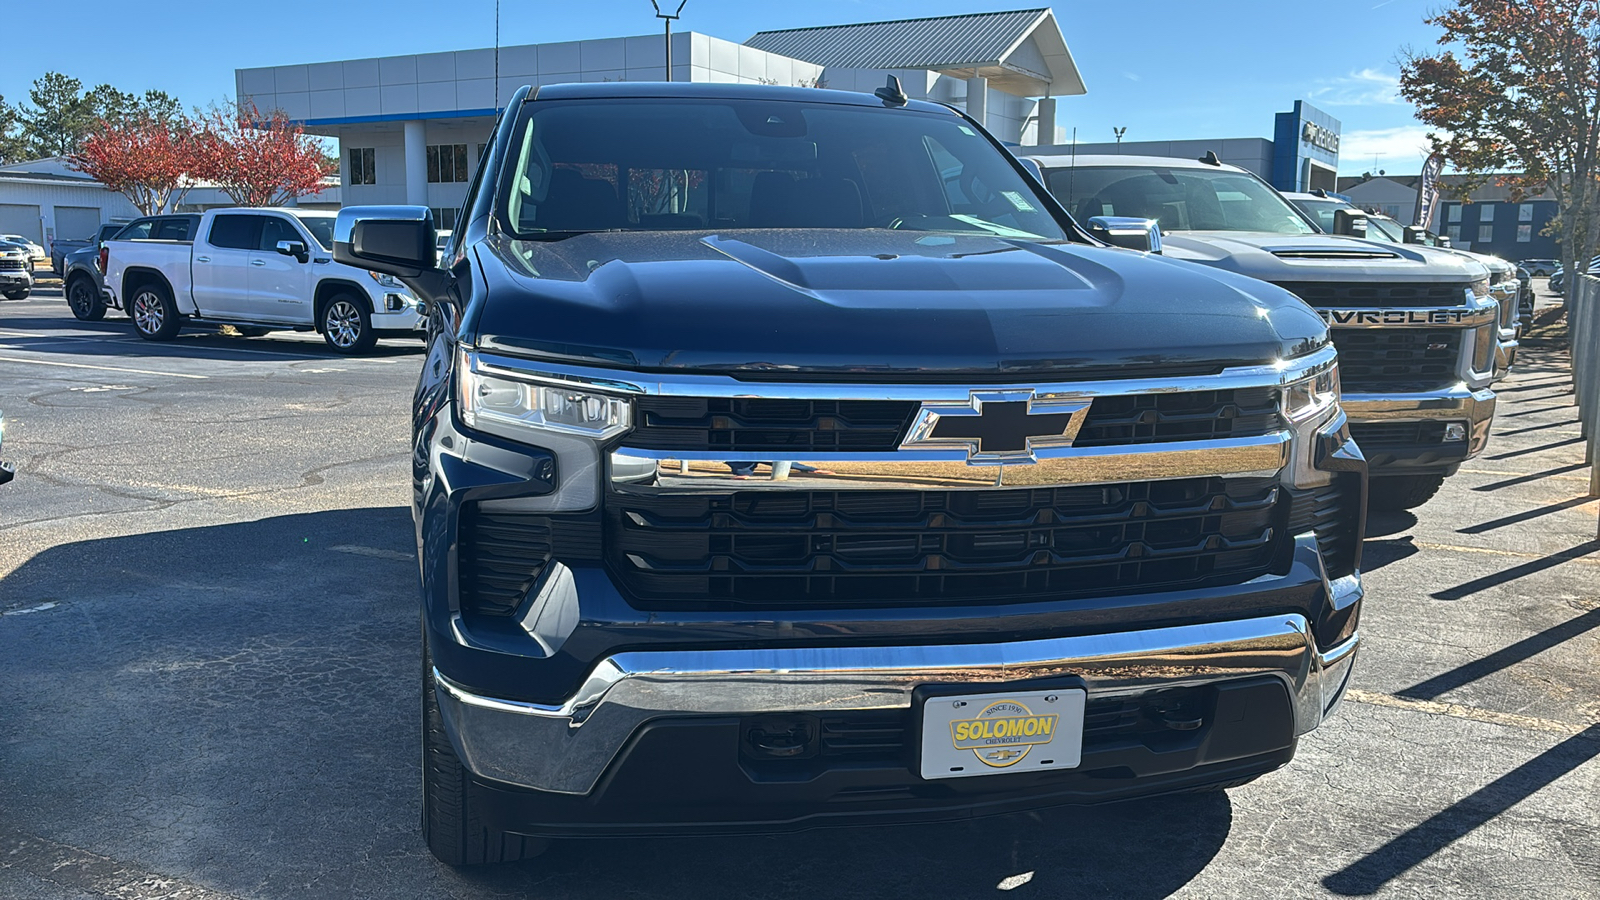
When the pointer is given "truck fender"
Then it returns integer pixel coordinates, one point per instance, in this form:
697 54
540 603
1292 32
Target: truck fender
330 287
135 276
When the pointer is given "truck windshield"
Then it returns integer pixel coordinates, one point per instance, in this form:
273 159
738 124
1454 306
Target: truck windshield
1181 199
321 228
656 165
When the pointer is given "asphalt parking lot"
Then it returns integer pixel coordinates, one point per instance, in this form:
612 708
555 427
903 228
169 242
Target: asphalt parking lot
208 670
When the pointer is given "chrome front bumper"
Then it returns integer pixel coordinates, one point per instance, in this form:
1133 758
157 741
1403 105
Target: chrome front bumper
566 748
1458 403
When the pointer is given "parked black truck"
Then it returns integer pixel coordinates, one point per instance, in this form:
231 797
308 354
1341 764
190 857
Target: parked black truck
789 457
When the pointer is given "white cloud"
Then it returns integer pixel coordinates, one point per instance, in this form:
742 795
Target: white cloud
1367 87
1399 150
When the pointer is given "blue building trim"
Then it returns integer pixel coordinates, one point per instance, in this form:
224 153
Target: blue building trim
1291 148
402 117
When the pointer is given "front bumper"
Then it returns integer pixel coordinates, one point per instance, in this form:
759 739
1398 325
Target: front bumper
398 313
566 748
1458 404
15 279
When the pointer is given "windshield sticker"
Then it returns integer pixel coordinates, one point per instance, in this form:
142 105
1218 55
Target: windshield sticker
1018 201
967 131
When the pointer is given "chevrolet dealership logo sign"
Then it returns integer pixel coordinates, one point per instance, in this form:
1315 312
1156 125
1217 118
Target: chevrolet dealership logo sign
997 427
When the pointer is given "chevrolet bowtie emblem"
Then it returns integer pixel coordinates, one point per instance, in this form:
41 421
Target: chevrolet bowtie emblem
994 428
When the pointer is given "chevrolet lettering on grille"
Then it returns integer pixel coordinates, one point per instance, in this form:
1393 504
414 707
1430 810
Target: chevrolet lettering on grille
1400 316
997 428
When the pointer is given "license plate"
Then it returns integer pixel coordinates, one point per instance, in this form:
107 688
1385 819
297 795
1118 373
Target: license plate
988 734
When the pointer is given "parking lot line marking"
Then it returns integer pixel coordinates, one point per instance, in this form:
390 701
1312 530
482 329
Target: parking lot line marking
91 873
1520 474
1491 551
1471 713
67 365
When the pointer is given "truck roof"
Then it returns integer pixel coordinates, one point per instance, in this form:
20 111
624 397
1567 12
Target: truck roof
1101 160
707 91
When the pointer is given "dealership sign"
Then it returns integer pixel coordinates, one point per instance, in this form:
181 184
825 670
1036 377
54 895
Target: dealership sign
1319 137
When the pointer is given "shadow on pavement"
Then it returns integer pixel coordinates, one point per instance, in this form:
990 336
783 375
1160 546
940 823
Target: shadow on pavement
1467 589
1524 479
1383 524
1376 554
116 338
195 691
1503 658
1539 449
1369 874
1525 515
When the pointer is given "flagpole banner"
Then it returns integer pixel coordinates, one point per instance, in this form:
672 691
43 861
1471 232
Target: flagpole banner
1428 190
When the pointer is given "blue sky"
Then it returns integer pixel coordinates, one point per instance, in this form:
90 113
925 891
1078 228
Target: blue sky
1165 69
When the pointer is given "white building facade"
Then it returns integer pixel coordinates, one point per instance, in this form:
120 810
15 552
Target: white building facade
45 199
411 129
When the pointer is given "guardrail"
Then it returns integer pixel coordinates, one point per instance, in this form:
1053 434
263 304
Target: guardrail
1583 329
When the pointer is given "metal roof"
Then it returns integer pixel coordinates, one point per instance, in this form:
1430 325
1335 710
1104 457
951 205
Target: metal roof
972 42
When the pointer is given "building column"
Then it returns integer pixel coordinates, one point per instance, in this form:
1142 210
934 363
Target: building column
1045 130
416 156
978 99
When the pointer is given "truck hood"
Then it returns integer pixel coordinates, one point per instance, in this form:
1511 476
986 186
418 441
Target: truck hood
1318 257
903 305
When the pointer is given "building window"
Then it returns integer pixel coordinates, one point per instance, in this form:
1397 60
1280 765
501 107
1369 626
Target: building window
363 169
447 163
1455 212
1524 234
482 149
1485 233
444 219
1486 212
1455 234
1525 212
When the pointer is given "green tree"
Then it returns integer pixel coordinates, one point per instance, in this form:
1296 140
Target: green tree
56 116
12 146
1517 88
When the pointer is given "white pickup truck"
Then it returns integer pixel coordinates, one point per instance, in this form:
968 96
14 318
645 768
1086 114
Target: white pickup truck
258 270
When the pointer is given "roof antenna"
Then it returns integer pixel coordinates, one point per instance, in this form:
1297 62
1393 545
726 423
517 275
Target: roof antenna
1211 159
891 93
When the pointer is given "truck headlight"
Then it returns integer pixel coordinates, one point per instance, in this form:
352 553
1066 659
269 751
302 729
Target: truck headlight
1312 397
502 405
388 281
1478 289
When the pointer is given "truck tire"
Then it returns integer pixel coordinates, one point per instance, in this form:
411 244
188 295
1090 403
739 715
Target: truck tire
347 326
450 824
85 302
251 330
18 295
1392 493
155 316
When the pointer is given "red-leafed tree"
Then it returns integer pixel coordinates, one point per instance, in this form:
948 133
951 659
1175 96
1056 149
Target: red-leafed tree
146 159
257 159
1517 86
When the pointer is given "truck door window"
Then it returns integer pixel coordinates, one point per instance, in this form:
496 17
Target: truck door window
236 232
136 231
172 229
273 230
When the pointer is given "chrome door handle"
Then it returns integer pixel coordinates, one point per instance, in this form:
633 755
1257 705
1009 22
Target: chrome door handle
202 259
258 262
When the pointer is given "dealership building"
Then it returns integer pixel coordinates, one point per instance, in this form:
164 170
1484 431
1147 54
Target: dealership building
412 128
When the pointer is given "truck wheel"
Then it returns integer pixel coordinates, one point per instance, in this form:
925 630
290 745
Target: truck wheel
17 295
154 314
450 824
1391 493
346 326
87 305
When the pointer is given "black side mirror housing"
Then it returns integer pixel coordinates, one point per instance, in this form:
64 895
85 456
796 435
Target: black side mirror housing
1416 234
1350 223
295 249
394 240
1143 235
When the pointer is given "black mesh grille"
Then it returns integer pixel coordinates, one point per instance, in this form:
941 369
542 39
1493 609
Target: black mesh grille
750 425
1360 294
1333 512
1397 358
13 264
502 554
888 548
1382 435
1191 416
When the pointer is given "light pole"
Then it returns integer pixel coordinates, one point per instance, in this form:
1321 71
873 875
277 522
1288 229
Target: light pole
1119 132
667 20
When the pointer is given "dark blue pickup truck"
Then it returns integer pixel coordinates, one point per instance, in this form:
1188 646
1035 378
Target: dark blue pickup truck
789 457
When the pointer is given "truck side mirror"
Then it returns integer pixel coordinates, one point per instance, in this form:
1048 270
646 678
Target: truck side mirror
1350 223
1143 235
394 240
295 249
1416 234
